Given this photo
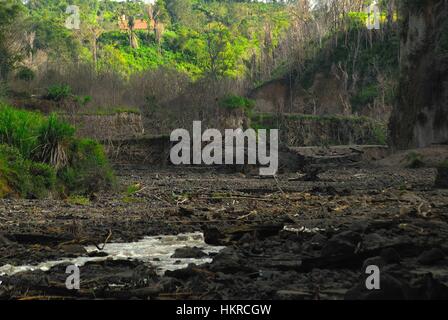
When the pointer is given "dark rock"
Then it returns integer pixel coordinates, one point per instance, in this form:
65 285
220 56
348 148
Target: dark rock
213 236
390 255
266 230
428 288
359 226
97 254
38 238
351 236
246 238
188 252
442 177
183 274
337 247
374 240
227 261
317 241
391 288
342 243
169 284
431 257
73 249
5 241
185 211
311 174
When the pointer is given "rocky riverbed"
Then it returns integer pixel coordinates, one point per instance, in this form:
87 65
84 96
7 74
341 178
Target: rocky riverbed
281 238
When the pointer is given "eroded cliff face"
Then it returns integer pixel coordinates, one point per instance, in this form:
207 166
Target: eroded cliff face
326 96
420 117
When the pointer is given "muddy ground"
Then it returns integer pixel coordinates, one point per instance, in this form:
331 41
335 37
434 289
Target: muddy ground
284 238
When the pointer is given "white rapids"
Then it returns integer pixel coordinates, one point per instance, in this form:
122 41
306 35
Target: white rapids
155 250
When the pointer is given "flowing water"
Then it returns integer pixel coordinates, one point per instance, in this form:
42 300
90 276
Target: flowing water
155 250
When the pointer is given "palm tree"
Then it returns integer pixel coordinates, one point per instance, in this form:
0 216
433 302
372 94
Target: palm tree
133 40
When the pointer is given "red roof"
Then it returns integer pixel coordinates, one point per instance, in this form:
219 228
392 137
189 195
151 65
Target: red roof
139 24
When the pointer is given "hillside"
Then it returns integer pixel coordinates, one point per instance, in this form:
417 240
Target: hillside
347 70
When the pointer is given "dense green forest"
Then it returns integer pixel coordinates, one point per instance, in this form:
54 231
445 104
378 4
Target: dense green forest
196 37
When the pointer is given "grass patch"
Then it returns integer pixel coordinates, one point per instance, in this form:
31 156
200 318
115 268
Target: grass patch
132 189
131 199
130 193
78 200
19 129
39 155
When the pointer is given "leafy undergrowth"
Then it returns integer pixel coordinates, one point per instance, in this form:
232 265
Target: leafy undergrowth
40 157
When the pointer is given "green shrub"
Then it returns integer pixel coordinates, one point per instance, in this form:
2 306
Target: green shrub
83 100
88 169
233 102
25 74
43 179
58 92
36 137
